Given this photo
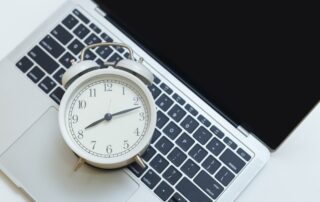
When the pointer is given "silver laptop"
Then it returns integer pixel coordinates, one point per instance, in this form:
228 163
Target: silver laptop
223 103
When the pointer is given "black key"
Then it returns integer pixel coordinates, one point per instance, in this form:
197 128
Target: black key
177 113
70 21
166 88
190 109
190 168
81 31
204 120
162 119
156 80
164 145
230 143
151 179
198 153
217 132
136 169
209 185
115 58
36 74
202 135
43 60
211 164
80 16
149 153
177 98
191 192
215 146
177 198
185 141
95 28
224 176
177 157
164 102
232 161
172 130
91 39
65 60
53 47
47 84
159 163
155 136
106 38
61 34
118 48
104 51
76 46
155 91
24 64
100 62
244 154
164 191
189 124
172 175
57 95
126 55
89 55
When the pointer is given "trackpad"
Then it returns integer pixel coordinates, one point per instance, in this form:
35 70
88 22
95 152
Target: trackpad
43 164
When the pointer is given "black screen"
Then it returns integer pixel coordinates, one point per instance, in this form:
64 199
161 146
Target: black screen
254 66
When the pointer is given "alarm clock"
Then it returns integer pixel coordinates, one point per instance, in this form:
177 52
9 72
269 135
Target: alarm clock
107 115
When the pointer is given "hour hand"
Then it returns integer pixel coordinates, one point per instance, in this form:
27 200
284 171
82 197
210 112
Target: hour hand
95 123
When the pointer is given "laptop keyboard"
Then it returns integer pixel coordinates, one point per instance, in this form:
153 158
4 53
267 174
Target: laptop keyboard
189 159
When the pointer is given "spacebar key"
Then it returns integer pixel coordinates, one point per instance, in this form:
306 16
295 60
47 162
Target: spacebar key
191 192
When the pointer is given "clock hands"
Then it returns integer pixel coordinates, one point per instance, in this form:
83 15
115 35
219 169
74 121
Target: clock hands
108 116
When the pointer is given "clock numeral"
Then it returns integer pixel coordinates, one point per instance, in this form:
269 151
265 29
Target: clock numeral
125 144
135 101
109 149
82 104
75 119
107 87
80 134
142 116
137 132
93 92
123 90
93 144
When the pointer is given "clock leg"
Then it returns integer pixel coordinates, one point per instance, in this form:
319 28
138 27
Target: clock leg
139 161
79 163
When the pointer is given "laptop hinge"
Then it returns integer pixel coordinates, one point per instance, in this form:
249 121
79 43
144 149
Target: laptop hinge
243 131
101 12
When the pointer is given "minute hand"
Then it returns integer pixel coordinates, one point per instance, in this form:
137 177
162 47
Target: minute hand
125 111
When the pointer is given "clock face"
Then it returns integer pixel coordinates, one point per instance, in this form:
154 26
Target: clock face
107 117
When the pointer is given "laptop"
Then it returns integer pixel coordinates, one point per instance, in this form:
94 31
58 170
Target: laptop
225 100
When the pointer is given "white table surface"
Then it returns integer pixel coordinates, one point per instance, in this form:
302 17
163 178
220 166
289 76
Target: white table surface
292 174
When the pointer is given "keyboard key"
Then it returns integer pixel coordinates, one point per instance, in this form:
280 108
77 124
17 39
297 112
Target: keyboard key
177 98
177 113
177 198
76 46
202 135
217 132
230 143
191 192
106 37
104 51
149 153
164 191
81 31
53 47
204 120
65 60
164 102
159 163
164 145
211 164
162 119
70 21
47 84
89 55
172 130
80 16
185 141
177 157
151 179
61 34
190 109
126 55
155 91
209 185
58 75
36 74
172 175
115 58
190 168
100 62
224 176
198 153
232 161
92 39
215 146
155 136
57 95
189 124
24 64
95 28
118 48
244 154
156 80
166 88
136 169
43 60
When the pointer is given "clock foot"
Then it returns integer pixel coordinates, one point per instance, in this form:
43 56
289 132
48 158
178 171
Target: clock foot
79 163
139 161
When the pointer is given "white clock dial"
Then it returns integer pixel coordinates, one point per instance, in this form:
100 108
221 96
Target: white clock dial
107 118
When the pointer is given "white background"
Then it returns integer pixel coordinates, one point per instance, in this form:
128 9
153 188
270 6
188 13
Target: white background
292 174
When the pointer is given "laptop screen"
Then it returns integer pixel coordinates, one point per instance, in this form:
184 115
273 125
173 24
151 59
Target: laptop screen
255 70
